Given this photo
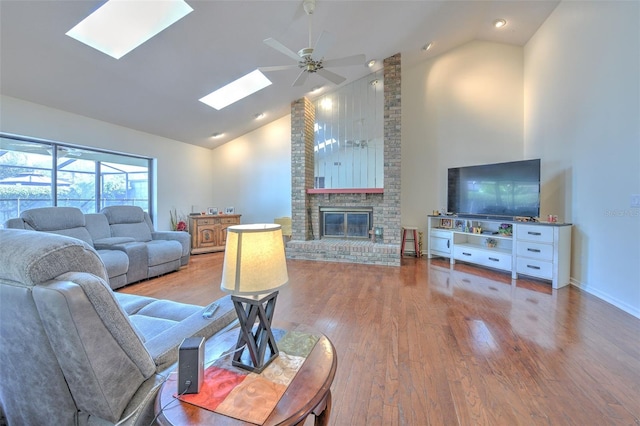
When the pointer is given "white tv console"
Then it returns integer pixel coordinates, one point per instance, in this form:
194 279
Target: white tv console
537 249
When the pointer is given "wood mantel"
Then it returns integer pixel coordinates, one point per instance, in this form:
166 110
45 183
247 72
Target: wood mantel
345 191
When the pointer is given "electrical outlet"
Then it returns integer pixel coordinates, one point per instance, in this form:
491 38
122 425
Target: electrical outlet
635 200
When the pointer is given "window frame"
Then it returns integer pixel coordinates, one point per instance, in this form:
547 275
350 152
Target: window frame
110 159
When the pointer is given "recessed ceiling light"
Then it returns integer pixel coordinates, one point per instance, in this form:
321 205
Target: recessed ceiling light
427 46
236 90
259 115
217 135
117 27
499 23
371 63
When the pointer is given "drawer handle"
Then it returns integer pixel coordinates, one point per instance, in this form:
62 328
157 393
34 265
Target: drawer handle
534 250
448 243
534 233
466 254
494 259
533 267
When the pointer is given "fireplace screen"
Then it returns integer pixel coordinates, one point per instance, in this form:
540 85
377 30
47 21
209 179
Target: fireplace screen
345 223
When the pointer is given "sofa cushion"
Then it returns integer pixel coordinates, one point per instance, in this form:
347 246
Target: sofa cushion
48 219
116 262
170 310
132 303
127 221
97 225
163 251
68 221
137 231
123 214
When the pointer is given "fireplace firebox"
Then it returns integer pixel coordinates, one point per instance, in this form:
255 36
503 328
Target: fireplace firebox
346 222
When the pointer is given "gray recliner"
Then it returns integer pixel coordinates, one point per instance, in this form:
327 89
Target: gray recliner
73 351
163 247
70 221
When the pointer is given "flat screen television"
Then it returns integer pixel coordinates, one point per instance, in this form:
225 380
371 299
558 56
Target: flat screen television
501 190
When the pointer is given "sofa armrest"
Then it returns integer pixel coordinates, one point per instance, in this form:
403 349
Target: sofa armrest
138 254
164 347
184 238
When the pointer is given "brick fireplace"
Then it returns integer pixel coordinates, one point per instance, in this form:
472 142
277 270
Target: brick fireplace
306 241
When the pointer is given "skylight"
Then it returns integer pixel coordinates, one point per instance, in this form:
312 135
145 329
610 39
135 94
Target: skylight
236 90
119 26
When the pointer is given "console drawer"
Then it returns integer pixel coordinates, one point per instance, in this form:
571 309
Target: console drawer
541 234
534 250
535 268
491 259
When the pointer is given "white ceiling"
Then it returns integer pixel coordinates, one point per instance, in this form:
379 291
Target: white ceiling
156 87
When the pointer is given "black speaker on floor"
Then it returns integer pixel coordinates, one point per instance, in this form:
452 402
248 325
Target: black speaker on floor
190 365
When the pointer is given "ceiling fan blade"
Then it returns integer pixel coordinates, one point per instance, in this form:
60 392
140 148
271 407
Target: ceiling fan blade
278 68
302 77
331 76
325 41
346 61
275 44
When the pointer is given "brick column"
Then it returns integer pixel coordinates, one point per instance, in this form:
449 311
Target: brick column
302 121
392 149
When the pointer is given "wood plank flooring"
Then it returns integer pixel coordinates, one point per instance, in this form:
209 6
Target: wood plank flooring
427 344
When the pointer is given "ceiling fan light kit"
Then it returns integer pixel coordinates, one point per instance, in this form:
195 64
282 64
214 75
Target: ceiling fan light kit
311 60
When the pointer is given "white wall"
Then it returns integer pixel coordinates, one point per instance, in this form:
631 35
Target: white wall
582 115
253 173
182 170
460 108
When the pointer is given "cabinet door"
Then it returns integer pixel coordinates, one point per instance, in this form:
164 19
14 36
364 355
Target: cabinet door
206 236
222 236
441 245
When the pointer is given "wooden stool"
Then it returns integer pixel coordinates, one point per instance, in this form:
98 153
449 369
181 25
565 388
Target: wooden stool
413 232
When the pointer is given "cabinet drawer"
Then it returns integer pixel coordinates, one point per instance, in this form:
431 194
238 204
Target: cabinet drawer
542 234
229 221
205 221
535 268
439 244
534 250
492 259
440 233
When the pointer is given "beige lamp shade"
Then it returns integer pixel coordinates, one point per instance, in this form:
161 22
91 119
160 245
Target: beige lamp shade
254 260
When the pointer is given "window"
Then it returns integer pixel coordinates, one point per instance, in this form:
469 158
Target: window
82 177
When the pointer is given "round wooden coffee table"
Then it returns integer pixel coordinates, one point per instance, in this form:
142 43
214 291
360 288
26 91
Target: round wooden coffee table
308 393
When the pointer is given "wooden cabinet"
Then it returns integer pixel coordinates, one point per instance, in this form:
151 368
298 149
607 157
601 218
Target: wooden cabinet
209 232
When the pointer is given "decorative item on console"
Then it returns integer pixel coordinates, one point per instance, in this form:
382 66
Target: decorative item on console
505 229
178 223
491 242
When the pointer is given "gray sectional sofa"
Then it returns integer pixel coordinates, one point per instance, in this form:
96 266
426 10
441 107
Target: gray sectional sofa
123 236
73 351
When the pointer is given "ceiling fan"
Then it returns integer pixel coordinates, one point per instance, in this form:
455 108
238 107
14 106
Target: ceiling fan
311 59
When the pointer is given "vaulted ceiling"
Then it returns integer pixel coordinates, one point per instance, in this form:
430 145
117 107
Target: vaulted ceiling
155 88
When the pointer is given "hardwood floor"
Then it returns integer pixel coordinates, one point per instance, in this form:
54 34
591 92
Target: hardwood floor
426 344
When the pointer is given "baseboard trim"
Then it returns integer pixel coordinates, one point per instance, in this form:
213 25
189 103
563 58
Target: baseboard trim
631 310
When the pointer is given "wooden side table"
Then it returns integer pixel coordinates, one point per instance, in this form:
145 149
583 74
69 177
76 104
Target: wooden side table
308 393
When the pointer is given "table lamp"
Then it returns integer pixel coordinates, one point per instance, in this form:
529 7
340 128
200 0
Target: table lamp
254 268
